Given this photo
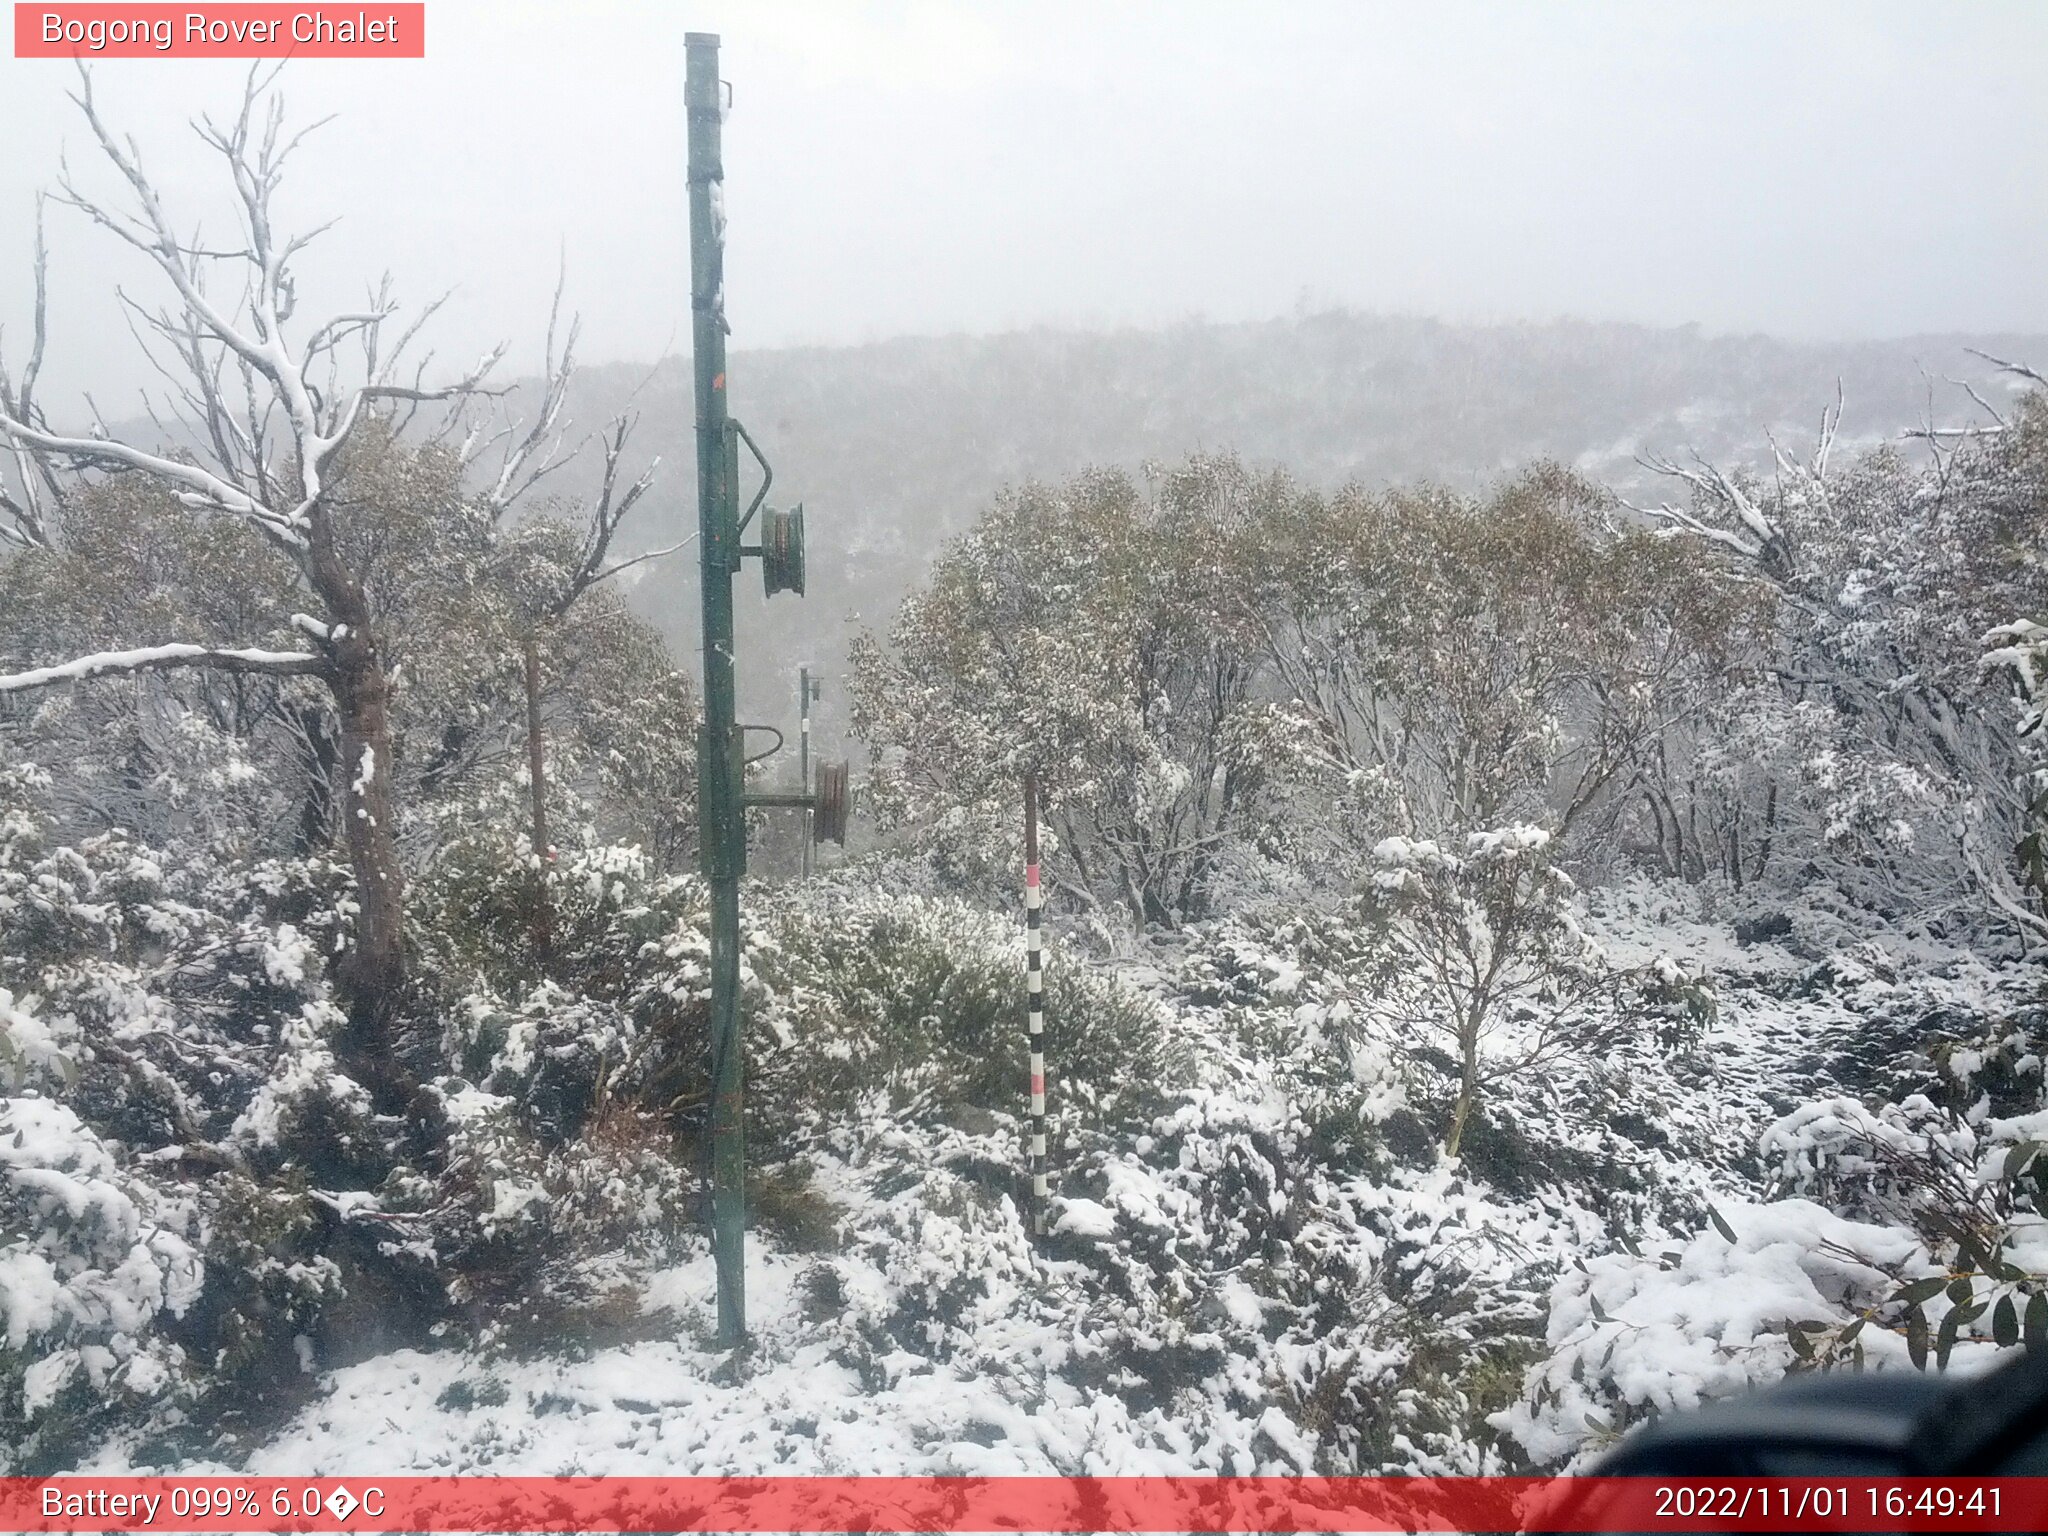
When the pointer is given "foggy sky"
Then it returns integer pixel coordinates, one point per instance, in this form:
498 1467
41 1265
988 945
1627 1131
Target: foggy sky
1818 170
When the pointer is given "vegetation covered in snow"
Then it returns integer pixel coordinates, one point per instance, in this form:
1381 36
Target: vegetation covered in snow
1519 964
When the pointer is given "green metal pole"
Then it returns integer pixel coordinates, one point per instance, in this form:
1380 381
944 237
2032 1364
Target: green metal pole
722 832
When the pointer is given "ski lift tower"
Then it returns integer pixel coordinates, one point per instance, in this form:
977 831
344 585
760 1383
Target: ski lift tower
722 759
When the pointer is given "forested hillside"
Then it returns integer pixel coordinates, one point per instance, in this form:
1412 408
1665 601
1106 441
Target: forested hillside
896 446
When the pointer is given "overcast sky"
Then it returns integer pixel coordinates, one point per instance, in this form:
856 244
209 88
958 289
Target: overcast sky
1815 170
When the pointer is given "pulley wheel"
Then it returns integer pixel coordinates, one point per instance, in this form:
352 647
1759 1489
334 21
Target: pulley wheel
829 804
782 551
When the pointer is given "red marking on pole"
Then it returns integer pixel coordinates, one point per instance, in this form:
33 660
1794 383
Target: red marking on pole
1031 874
718 381
1038 1082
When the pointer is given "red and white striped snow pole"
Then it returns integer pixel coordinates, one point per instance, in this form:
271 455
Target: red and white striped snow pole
1034 989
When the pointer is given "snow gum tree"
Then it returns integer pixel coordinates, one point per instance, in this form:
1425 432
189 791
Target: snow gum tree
1870 725
1081 634
269 415
1231 674
1448 664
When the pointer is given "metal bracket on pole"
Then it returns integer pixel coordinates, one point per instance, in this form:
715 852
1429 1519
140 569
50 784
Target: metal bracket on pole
827 803
767 474
758 757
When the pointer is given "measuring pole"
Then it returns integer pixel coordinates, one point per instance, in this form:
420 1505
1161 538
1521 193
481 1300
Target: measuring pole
1034 1004
722 832
803 753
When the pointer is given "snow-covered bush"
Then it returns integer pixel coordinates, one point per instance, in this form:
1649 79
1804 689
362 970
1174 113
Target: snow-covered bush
1909 1235
95 1261
1969 1186
912 1009
528 1234
1765 1289
1484 952
31 1054
617 1010
308 1112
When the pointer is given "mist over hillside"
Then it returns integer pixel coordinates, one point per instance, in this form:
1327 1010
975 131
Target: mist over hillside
896 446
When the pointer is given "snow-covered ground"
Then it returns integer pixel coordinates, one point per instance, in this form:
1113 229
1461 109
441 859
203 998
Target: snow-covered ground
1266 1268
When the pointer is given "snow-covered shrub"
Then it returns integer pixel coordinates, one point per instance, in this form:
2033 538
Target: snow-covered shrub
31 1053
96 1260
177 976
530 1232
1678 1002
480 907
913 1009
180 1007
269 1286
1483 951
962 1263
1969 1186
553 1051
308 1112
1765 1289
618 1008
1905 1235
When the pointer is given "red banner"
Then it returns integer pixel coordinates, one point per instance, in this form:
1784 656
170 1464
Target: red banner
1005 1504
264 31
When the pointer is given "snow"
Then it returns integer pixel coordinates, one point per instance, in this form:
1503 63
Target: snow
1085 1218
946 1344
29 1047
1242 1304
101 662
30 1295
90 1283
511 1199
1260 1261
305 1073
1663 1337
288 956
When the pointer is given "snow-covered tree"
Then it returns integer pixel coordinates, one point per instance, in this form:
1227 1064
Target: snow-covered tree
1482 951
265 414
1079 634
1449 663
1868 731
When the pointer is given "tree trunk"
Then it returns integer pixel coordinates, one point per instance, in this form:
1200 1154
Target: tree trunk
1468 1087
375 972
316 808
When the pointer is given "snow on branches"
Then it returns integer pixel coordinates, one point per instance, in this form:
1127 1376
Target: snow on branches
1481 948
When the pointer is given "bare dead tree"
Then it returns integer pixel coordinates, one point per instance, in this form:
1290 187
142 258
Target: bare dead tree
25 513
265 420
